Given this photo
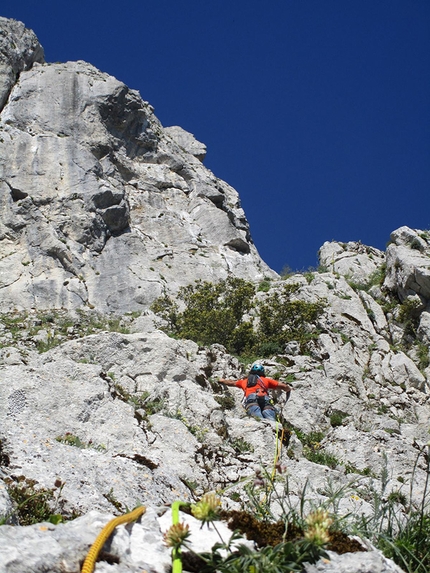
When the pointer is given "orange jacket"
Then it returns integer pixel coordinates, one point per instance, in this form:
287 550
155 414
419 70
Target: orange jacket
263 385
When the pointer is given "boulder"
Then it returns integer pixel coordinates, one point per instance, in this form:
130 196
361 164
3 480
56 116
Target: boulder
408 264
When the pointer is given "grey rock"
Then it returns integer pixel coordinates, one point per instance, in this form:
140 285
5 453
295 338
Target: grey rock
100 205
102 211
371 562
19 50
43 547
408 264
187 141
353 260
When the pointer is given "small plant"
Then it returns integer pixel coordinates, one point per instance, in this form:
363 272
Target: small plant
351 469
110 497
226 401
382 409
422 351
408 309
71 440
309 276
264 285
241 446
34 504
153 406
402 536
337 417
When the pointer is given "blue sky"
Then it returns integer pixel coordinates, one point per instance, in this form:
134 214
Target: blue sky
316 111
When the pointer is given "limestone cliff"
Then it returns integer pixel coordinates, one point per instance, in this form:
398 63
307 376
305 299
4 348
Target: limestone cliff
103 210
101 205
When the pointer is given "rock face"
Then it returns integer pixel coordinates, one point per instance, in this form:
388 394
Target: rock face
101 205
19 50
103 210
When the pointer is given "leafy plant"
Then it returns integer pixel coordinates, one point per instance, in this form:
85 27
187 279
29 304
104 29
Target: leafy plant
401 535
241 446
71 440
33 504
226 401
282 319
422 355
213 313
264 285
337 417
226 313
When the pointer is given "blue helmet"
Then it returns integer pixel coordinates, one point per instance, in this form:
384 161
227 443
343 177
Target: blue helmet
257 369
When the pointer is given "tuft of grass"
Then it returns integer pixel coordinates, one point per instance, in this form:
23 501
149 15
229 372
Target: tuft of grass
33 504
23 326
241 446
226 401
337 417
71 440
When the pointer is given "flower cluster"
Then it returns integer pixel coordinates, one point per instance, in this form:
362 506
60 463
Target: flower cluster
176 535
207 509
318 525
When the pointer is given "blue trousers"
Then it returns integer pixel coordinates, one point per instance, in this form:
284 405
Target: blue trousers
260 407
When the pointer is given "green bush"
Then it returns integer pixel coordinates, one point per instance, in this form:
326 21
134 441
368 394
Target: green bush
422 355
283 319
215 313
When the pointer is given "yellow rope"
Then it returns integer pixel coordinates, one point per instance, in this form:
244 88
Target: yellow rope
278 450
103 536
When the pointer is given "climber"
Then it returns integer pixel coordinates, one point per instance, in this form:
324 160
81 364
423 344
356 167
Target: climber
256 399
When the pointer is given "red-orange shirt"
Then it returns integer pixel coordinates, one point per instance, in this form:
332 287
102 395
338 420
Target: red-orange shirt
259 388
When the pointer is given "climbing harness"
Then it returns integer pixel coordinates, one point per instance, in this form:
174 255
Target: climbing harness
105 533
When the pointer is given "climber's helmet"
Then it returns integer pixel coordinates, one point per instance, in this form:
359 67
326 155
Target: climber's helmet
257 369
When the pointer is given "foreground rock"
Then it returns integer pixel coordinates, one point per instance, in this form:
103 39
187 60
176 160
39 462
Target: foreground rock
136 547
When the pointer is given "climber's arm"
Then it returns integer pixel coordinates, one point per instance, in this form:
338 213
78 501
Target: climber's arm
227 382
285 387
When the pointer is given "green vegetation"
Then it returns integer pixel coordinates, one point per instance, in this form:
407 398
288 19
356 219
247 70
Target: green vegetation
213 313
312 449
226 401
351 469
264 285
71 440
401 535
278 549
283 319
302 532
409 310
57 326
337 417
33 504
143 401
375 279
227 313
111 498
241 446
422 355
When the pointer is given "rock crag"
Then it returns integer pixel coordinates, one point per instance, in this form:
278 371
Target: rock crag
102 211
100 204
